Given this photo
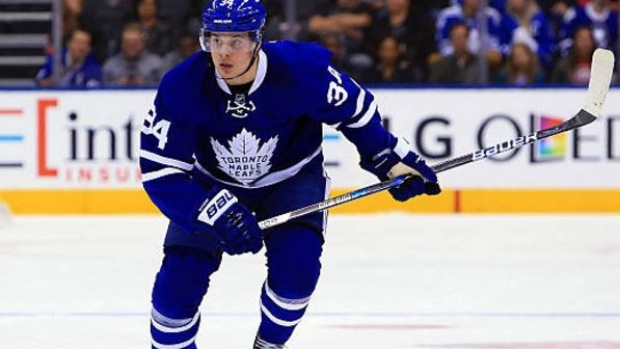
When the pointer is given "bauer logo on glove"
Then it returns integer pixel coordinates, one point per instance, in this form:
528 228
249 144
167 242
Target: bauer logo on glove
212 209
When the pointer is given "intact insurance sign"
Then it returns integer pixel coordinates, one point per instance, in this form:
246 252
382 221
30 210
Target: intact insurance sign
87 139
90 139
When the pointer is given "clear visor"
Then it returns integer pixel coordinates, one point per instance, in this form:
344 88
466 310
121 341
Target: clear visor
227 42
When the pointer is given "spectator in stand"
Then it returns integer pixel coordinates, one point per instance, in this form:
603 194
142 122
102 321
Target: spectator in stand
183 15
524 22
556 6
465 11
522 67
460 66
71 16
499 5
431 6
413 30
348 18
335 44
134 65
555 10
156 33
80 69
105 20
596 14
391 67
575 67
277 26
187 46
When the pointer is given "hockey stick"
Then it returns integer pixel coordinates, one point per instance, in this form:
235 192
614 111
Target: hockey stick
600 79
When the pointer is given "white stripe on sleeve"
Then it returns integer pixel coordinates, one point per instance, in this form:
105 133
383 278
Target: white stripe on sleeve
360 102
166 161
160 173
372 109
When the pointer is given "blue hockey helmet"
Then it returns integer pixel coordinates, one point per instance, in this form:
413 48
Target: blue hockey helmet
232 16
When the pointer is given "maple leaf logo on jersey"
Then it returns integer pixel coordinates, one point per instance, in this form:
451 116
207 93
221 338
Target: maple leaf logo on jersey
245 159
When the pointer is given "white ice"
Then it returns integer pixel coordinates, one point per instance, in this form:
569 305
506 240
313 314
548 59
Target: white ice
388 281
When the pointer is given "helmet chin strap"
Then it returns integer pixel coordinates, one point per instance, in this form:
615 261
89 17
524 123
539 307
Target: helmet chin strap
254 56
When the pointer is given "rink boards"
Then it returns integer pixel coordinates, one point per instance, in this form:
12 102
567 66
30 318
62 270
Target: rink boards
76 151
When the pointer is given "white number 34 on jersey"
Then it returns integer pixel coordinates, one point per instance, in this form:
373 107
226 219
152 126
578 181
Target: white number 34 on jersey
158 129
336 94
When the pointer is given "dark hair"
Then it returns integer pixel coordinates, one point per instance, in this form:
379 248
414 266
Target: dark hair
573 53
137 4
132 26
456 25
69 36
531 70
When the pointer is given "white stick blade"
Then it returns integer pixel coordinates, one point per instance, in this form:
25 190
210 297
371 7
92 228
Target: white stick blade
600 79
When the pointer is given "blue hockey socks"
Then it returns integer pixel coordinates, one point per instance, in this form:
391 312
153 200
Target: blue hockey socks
294 268
180 285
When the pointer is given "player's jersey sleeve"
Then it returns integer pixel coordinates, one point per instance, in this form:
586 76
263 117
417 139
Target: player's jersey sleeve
167 145
343 104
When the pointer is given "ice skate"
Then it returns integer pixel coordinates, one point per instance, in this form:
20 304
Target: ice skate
259 343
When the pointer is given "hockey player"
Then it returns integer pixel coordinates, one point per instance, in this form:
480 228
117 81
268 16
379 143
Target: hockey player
235 137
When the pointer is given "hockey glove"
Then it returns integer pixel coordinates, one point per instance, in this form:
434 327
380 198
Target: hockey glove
234 226
388 164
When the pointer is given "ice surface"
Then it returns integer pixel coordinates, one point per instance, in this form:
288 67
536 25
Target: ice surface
388 281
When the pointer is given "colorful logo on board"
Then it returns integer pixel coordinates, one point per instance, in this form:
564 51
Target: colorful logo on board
552 148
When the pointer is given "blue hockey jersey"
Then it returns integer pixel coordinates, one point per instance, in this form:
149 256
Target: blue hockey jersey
199 134
86 74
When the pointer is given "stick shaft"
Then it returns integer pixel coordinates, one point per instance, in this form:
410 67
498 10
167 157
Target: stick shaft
581 119
598 86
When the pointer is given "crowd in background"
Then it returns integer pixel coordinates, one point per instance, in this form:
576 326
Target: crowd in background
515 42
